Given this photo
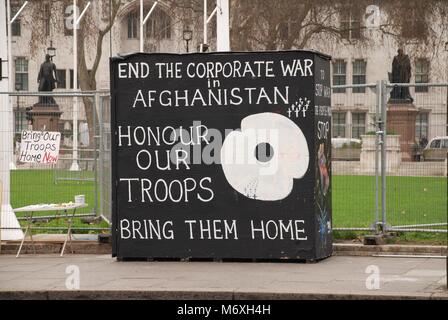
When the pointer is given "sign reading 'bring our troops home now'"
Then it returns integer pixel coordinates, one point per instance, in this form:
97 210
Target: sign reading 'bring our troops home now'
221 155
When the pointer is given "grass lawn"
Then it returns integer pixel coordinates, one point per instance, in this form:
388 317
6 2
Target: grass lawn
39 186
410 200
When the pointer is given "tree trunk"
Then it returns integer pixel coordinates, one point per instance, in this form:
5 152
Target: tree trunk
87 82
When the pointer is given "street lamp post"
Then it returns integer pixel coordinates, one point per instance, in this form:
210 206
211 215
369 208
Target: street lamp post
187 35
74 166
76 21
51 51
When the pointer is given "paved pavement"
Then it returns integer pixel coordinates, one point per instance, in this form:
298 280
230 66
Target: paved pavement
101 276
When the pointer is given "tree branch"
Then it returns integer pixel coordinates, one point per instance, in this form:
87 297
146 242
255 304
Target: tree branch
99 43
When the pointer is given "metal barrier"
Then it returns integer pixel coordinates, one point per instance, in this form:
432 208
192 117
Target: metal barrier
356 185
375 187
385 178
104 169
417 187
76 171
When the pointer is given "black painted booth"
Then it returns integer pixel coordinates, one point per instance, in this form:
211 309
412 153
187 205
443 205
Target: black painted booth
221 155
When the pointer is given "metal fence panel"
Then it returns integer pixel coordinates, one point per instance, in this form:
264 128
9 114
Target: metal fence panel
104 169
417 185
354 156
56 183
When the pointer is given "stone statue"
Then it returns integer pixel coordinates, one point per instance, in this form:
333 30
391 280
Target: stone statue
47 79
401 73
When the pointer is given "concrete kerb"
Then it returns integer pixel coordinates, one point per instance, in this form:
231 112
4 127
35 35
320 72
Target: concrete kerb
77 247
340 249
209 295
397 249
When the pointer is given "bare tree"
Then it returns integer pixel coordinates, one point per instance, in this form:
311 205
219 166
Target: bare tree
287 24
256 25
91 33
420 26
90 38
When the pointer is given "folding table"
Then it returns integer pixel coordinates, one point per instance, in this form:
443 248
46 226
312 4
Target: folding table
65 208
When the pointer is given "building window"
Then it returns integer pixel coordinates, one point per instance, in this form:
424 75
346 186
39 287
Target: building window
445 143
132 25
151 27
283 30
62 79
16 28
350 22
67 21
89 72
359 74
71 79
421 74
214 27
414 24
358 125
286 29
166 25
159 26
67 32
20 120
339 75
421 125
46 19
21 74
338 124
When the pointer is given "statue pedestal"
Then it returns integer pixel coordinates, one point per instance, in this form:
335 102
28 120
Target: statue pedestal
401 121
45 117
368 154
